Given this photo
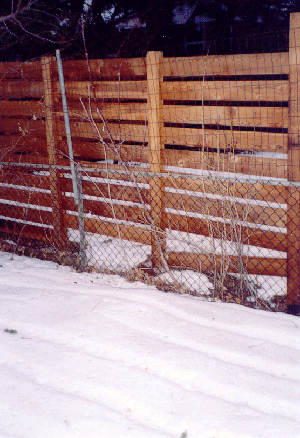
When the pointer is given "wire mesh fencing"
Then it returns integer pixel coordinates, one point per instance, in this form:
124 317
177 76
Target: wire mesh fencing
181 172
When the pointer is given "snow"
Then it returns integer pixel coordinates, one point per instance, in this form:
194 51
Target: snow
95 356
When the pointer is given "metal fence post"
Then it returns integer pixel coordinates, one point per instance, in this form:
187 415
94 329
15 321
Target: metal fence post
76 176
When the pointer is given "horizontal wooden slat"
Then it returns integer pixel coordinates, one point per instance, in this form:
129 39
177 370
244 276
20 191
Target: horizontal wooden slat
260 191
104 68
23 127
119 132
123 231
253 265
235 91
109 210
27 158
86 150
15 145
228 209
29 231
26 214
30 108
244 164
18 70
21 89
34 178
227 65
112 190
238 140
266 117
116 192
216 229
82 150
105 89
116 172
25 196
115 111
23 155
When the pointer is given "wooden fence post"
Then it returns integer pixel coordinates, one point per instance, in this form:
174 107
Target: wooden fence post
59 232
155 158
293 200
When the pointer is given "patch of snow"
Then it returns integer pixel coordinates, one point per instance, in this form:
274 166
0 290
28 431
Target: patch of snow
194 281
91 355
111 253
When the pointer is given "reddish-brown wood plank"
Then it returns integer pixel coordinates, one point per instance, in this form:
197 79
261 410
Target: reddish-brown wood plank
234 91
133 213
112 190
248 190
26 213
30 231
227 65
107 111
118 68
257 117
25 196
228 208
119 231
23 108
29 177
244 164
218 230
99 131
105 90
21 89
228 139
90 150
20 70
22 127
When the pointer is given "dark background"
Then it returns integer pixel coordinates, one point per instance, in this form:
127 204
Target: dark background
32 28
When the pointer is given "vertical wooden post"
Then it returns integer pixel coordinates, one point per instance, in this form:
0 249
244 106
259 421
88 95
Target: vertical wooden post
59 232
155 158
293 201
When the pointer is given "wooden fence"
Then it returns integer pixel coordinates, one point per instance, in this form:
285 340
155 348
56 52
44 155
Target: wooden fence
167 133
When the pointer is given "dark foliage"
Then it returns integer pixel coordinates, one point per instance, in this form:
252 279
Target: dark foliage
126 28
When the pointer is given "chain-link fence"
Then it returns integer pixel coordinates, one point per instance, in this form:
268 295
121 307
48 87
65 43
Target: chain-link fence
181 172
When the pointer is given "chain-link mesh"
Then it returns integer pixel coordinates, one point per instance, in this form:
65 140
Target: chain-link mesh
186 168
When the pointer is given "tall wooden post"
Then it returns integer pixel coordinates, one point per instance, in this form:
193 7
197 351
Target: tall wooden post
59 233
293 201
155 158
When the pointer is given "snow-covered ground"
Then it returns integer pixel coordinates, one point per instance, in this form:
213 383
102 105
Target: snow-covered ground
91 355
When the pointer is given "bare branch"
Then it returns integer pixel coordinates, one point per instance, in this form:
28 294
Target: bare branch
18 10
